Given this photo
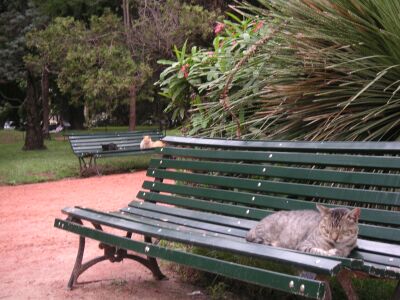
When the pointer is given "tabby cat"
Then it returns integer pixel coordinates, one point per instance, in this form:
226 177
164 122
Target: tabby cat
328 231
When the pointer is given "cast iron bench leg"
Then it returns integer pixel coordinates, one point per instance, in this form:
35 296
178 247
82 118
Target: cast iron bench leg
82 165
153 265
78 263
95 165
344 277
112 254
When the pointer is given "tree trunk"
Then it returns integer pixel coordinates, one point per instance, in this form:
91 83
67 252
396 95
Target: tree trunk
34 134
128 25
132 107
76 116
132 90
45 102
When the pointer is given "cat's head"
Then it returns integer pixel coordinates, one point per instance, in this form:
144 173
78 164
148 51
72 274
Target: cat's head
339 225
147 140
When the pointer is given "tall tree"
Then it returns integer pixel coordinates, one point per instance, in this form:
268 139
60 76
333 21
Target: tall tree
17 18
92 63
48 48
34 136
156 27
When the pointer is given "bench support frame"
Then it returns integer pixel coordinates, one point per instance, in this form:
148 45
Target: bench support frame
111 253
86 165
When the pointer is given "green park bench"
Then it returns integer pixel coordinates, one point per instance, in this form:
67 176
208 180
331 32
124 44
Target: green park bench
210 192
89 147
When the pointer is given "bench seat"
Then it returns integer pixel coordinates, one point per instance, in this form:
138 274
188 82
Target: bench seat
209 192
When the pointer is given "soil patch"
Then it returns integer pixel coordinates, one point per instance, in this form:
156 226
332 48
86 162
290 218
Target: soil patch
37 258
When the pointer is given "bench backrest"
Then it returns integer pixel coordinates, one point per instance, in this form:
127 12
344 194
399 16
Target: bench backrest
251 179
83 144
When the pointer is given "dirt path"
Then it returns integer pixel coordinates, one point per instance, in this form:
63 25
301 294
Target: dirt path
36 258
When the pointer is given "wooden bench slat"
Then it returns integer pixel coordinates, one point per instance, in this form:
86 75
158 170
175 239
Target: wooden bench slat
266 201
347 177
389 234
180 224
196 215
289 283
378 247
215 207
117 140
91 140
345 194
99 144
353 161
324 265
378 259
77 136
162 217
115 153
305 146
98 148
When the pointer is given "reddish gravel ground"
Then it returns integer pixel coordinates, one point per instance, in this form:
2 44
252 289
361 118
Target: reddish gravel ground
36 258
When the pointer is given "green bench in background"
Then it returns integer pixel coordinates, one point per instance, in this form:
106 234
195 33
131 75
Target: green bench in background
210 192
89 147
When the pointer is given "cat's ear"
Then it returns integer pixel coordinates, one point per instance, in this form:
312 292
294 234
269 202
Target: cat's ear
354 215
322 209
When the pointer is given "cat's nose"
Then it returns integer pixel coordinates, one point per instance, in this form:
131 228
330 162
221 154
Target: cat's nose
334 236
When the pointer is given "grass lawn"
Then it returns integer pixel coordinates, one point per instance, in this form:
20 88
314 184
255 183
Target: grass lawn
57 162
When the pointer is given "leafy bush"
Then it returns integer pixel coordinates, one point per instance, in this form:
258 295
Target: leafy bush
195 81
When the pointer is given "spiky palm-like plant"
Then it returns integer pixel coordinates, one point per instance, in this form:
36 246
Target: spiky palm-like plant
342 76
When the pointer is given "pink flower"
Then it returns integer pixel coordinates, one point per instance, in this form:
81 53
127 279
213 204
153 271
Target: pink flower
219 27
258 26
210 53
185 70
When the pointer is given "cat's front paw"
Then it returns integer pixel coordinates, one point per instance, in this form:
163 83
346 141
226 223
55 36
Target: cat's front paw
333 252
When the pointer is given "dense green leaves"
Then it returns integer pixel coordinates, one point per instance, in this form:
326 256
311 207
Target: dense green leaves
198 78
92 63
16 19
